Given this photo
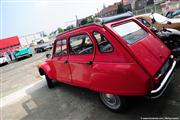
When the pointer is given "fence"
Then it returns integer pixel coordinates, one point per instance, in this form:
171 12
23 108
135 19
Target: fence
149 9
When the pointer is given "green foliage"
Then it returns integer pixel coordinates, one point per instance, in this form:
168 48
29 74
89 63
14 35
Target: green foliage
87 20
69 27
84 21
60 30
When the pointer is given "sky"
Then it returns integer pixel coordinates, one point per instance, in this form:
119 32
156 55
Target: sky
22 17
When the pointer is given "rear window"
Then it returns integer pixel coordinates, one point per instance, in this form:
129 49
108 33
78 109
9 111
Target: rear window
131 32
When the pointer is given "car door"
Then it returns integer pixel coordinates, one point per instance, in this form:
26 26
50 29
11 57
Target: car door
60 58
81 59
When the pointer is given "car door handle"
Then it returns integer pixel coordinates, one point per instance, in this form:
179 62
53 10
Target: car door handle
89 62
66 61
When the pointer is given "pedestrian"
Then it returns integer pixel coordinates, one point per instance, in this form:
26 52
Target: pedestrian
8 52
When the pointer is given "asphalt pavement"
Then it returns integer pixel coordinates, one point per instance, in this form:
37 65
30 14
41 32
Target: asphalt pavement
25 96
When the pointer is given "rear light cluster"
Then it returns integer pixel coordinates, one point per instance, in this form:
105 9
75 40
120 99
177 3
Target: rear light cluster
162 72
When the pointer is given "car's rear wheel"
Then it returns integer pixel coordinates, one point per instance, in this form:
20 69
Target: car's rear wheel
113 102
49 82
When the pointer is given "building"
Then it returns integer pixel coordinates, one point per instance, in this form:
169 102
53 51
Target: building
170 5
140 4
108 11
10 43
32 39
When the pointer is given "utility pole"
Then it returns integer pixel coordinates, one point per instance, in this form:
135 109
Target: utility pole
77 22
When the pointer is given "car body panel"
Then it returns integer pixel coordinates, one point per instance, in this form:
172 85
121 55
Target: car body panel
128 70
48 69
145 50
22 53
175 22
3 59
43 47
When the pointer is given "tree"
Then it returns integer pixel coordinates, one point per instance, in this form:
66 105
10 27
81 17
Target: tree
69 27
84 21
90 20
120 9
60 30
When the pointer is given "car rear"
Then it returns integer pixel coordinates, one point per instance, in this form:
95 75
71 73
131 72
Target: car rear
149 52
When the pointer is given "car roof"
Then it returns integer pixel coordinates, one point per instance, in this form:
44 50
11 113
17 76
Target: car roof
78 28
99 22
117 17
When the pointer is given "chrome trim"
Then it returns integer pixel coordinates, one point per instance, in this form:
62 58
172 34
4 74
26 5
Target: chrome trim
165 79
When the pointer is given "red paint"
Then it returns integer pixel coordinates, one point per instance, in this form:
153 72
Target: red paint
128 70
10 43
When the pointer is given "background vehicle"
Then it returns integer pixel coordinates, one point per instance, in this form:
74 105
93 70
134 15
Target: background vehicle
173 14
159 21
3 59
170 37
118 57
20 53
43 47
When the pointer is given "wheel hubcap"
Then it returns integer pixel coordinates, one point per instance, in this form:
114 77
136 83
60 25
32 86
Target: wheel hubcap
110 100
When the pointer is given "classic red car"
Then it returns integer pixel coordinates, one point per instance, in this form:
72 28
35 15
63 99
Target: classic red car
118 57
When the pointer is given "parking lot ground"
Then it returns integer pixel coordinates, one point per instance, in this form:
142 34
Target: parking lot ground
65 102
18 74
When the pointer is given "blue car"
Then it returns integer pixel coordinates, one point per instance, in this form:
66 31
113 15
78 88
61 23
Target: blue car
24 52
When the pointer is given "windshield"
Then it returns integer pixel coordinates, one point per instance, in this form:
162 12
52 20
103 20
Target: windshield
159 18
131 32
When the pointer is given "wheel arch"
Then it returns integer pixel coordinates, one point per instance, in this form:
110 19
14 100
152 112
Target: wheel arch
45 69
41 71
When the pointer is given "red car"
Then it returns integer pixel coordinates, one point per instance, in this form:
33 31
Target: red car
118 57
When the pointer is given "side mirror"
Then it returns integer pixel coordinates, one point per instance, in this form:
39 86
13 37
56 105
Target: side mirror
48 55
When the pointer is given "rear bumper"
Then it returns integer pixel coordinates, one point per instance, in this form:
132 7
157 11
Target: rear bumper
24 55
165 82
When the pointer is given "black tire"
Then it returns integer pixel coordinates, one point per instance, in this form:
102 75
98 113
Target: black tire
49 82
113 102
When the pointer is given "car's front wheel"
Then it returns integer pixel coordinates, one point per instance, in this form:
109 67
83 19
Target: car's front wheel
49 82
113 102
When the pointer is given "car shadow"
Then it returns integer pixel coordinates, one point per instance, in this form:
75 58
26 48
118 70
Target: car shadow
74 103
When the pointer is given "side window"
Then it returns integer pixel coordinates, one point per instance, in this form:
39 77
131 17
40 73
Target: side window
103 44
146 23
60 48
81 44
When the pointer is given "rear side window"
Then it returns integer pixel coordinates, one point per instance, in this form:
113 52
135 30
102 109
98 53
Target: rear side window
61 48
81 44
103 44
131 32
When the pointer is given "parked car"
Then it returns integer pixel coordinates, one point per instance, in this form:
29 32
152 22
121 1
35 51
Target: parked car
170 37
3 59
118 57
23 52
43 47
159 21
173 14
40 41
